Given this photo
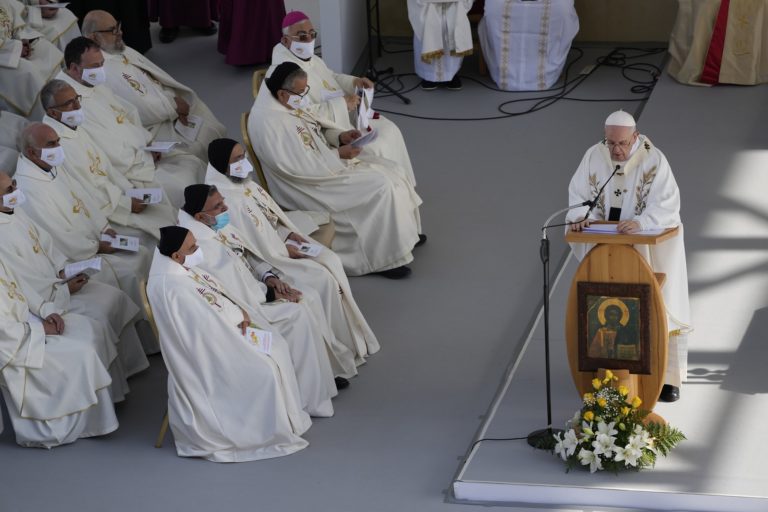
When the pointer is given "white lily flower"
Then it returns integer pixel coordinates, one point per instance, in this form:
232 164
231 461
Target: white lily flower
608 429
629 455
604 445
588 457
570 442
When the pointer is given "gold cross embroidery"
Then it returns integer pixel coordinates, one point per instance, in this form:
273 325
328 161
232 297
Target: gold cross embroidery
95 167
135 85
79 206
121 114
13 292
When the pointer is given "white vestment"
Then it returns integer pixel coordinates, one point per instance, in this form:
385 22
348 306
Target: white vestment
227 402
59 29
526 44
264 226
441 37
57 204
92 169
55 387
21 79
31 253
646 192
151 90
375 209
10 127
294 322
115 126
326 93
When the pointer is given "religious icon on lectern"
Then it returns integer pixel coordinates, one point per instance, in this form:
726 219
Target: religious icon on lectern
614 327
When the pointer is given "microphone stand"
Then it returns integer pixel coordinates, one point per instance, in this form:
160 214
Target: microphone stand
544 439
374 74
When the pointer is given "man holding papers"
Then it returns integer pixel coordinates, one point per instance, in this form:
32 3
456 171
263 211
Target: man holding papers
312 166
92 169
31 252
336 96
115 126
229 400
264 226
58 204
642 195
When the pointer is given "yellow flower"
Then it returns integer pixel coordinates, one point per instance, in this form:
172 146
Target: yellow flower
588 397
625 411
596 383
589 416
602 402
623 390
636 402
608 376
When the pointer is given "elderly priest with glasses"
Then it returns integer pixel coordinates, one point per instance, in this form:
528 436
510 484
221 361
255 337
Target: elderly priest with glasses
642 194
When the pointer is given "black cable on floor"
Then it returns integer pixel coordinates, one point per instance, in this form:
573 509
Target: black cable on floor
496 439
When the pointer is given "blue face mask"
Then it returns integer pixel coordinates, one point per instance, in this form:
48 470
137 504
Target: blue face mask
222 220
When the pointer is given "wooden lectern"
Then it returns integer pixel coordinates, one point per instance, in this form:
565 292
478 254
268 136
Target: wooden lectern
614 261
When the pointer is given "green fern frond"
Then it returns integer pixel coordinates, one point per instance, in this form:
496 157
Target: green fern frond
666 437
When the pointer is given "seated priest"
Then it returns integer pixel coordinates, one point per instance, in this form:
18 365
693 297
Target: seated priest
526 44
27 62
317 168
115 126
160 100
93 170
263 225
30 251
442 37
231 397
247 274
59 205
56 24
642 194
10 127
333 96
56 388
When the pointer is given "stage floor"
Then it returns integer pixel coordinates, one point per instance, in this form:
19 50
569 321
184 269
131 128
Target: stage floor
723 172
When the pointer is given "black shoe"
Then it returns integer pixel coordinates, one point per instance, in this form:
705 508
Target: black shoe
669 393
454 84
168 35
341 383
422 241
396 273
207 31
428 86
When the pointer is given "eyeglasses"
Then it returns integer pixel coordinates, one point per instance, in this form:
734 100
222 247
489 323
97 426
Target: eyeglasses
299 94
74 102
306 37
624 144
114 30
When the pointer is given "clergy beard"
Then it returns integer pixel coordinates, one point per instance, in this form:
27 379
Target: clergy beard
115 48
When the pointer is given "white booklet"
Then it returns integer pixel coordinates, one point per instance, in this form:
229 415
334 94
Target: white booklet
262 340
190 130
87 267
146 195
611 229
123 242
309 249
364 110
159 146
365 138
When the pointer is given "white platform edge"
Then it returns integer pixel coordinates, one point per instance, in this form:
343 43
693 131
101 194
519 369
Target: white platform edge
555 495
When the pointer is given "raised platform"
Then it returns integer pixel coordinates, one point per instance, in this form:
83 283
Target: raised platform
724 405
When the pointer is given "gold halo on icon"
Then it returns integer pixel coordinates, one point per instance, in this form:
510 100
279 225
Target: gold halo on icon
613 302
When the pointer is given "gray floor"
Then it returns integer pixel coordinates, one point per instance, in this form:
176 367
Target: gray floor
447 333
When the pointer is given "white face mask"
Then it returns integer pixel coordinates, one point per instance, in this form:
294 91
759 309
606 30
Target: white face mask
194 259
303 50
14 199
94 76
240 169
297 102
74 118
52 156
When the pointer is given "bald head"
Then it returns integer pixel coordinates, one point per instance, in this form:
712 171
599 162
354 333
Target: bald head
103 28
33 139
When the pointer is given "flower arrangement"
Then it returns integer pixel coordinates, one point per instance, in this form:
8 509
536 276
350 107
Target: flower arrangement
609 432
